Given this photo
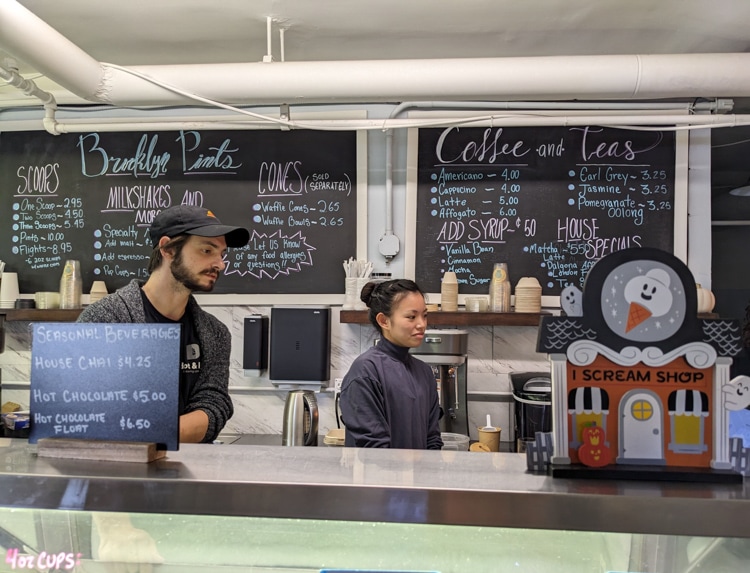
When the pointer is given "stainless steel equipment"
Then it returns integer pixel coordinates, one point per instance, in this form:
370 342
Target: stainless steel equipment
446 351
532 393
300 419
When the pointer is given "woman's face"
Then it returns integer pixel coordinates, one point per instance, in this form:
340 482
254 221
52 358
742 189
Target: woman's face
408 321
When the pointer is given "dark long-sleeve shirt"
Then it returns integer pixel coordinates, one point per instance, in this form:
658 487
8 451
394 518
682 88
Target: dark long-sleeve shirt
389 399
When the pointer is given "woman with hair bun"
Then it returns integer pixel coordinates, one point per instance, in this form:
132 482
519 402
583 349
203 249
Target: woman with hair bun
389 398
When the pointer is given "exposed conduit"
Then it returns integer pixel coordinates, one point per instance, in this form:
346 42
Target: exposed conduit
26 86
645 122
622 77
31 89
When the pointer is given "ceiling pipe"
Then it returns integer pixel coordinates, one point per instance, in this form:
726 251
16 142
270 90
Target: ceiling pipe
34 42
546 78
622 77
269 46
30 88
652 122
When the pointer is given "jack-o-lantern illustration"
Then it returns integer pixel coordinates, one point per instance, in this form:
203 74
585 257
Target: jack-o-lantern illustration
594 451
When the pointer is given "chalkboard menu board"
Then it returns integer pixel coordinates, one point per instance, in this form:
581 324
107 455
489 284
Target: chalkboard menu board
549 201
92 196
106 382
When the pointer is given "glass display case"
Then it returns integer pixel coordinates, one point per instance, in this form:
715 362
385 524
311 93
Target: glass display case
265 508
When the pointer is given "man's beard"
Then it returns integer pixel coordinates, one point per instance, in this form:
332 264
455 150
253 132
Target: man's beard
186 278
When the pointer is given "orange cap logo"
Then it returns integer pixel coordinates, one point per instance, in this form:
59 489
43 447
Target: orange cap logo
210 214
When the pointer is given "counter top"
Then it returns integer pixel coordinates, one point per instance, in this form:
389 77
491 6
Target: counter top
409 486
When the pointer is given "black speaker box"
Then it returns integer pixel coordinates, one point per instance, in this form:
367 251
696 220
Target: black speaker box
300 343
255 343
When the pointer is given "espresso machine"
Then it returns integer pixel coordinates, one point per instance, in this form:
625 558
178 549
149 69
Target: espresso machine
446 352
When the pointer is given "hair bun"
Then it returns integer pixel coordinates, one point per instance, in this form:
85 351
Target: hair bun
366 294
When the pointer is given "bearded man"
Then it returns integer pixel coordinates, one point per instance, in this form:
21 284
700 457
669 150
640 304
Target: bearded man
189 248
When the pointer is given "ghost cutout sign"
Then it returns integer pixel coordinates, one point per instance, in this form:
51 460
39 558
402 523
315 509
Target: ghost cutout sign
737 393
571 301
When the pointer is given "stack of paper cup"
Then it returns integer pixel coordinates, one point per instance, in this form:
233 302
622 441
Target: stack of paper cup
70 285
98 291
8 290
528 295
449 292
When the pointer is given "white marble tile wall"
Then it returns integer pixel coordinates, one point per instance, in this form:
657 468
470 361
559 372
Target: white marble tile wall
494 352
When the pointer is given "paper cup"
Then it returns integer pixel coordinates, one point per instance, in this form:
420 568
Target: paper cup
98 291
490 438
8 290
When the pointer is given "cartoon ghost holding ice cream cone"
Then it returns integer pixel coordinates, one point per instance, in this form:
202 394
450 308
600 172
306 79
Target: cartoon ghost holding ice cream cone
649 295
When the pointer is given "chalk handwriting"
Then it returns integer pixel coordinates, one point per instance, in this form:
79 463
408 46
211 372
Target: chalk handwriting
213 159
95 161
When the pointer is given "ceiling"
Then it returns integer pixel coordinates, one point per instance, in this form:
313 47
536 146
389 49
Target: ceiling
147 32
138 32
185 32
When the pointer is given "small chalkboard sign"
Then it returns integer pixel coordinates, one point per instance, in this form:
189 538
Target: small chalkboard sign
117 382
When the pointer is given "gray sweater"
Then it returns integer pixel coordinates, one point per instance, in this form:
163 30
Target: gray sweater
211 392
389 399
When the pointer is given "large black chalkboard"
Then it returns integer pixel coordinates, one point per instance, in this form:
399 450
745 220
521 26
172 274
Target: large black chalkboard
549 201
105 382
92 196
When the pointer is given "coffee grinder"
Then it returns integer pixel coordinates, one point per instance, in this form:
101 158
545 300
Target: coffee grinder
446 352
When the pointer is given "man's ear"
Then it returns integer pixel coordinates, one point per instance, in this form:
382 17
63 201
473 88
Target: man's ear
169 252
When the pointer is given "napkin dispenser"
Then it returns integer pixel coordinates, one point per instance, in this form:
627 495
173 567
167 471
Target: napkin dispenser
300 346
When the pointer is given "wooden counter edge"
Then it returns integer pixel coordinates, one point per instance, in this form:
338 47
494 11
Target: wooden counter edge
99 450
40 314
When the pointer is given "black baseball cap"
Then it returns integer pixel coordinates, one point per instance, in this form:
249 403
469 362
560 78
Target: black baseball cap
191 220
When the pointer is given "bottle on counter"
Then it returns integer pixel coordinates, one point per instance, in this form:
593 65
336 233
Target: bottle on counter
500 289
71 285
